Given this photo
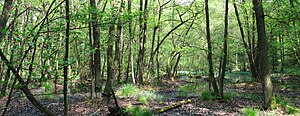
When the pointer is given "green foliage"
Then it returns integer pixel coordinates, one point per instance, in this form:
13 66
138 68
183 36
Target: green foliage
128 90
251 96
284 102
145 96
138 111
206 95
292 71
249 111
229 95
191 89
141 95
48 86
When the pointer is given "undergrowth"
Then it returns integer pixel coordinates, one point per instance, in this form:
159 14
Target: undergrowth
284 103
249 111
127 91
138 111
141 95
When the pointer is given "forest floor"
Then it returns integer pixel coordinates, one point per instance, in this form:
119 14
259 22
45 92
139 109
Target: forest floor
240 95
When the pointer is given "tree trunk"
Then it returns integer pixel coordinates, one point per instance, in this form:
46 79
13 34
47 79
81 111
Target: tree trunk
224 62
96 36
110 60
281 53
209 56
117 42
4 17
130 57
248 48
143 28
263 55
24 88
66 61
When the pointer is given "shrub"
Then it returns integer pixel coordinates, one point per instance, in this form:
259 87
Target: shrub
250 111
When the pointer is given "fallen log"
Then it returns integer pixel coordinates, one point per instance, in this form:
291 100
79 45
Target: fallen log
173 106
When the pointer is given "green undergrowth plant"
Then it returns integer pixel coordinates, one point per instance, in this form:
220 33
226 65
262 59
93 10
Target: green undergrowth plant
292 71
128 90
191 89
141 95
145 96
252 96
229 95
206 95
286 105
138 111
250 111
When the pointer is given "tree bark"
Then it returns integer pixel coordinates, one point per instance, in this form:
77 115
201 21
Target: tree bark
110 60
117 42
209 56
224 62
66 60
248 48
130 57
4 17
96 36
262 55
142 40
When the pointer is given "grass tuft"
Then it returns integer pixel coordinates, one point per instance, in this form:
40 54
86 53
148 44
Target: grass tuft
249 111
138 111
145 96
127 91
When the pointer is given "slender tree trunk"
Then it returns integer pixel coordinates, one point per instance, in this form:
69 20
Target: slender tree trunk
66 61
96 36
12 51
110 60
248 48
263 54
281 53
209 56
224 62
176 65
130 57
142 43
24 88
117 42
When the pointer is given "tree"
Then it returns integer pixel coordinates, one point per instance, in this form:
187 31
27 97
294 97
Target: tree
117 42
96 36
66 63
110 60
224 62
247 46
4 17
262 54
209 48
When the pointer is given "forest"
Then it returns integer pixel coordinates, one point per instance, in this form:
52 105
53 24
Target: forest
149 57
